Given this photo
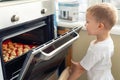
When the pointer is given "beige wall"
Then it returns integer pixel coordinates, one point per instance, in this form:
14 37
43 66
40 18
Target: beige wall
81 45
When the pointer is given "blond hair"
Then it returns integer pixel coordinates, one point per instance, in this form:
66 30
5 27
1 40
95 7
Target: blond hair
104 13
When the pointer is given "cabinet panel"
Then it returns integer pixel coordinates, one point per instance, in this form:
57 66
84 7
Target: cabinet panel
69 56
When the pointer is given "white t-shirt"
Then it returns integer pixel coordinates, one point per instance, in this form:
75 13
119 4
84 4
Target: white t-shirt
97 60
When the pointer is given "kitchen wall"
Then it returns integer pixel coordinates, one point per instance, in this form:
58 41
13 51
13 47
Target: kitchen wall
81 45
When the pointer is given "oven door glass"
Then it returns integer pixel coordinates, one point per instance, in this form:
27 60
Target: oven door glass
45 59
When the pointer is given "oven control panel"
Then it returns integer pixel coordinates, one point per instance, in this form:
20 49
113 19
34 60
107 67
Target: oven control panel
19 13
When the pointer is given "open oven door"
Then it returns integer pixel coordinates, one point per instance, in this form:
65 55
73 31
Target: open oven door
45 59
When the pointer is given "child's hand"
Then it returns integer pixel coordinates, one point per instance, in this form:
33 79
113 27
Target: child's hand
75 70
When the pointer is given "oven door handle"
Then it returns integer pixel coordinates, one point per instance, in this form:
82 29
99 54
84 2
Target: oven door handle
48 55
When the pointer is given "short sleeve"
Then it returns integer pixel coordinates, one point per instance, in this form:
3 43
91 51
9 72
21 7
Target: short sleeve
92 56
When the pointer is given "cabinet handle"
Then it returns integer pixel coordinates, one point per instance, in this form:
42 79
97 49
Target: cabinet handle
43 11
15 18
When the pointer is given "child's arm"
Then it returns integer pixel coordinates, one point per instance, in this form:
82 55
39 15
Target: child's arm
75 70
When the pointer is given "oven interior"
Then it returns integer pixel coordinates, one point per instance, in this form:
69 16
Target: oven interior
14 53
18 40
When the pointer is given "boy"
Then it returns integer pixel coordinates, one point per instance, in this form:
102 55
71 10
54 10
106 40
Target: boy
100 18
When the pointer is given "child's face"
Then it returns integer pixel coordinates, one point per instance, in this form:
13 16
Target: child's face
91 25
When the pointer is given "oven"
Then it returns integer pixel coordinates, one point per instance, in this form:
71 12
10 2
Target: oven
28 47
35 61
17 40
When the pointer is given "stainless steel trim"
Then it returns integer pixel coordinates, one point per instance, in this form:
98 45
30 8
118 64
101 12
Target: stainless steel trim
25 69
47 56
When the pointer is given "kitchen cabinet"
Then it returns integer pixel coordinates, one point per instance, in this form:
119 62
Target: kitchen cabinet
62 30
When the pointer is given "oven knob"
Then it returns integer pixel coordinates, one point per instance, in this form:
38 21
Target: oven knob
15 18
43 11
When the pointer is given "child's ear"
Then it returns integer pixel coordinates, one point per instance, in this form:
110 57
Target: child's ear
101 26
